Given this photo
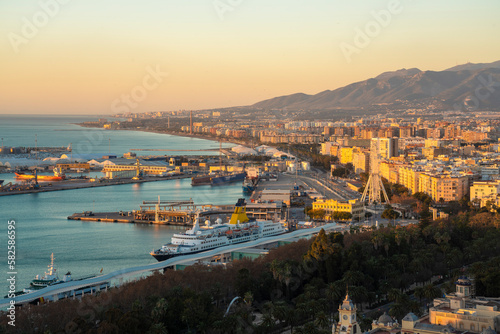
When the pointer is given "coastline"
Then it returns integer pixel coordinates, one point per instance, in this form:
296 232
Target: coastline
178 134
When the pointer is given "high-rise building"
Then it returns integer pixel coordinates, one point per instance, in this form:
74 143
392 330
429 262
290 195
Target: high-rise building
361 162
384 148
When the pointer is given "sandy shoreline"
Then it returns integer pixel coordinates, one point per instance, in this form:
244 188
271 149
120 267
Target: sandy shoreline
178 134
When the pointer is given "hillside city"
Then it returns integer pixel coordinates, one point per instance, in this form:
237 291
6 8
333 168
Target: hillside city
446 155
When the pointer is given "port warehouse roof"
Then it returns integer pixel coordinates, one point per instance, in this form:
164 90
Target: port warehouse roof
120 274
16 161
263 150
243 150
272 152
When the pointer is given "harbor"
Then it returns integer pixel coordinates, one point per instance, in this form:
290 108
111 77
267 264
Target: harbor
182 213
72 184
179 261
43 216
119 201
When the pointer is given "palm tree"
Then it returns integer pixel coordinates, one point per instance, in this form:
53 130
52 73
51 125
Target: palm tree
157 328
267 321
394 295
431 292
282 272
353 277
291 317
419 293
398 311
401 234
334 293
321 320
377 239
359 294
248 299
279 311
159 311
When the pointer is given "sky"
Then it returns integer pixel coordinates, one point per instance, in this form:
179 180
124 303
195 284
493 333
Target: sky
105 57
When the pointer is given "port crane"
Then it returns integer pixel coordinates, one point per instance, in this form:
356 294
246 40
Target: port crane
138 171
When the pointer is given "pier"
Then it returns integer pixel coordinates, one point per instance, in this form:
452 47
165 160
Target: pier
180 213
78 184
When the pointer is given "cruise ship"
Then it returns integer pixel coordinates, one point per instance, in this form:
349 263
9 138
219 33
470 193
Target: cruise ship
203 238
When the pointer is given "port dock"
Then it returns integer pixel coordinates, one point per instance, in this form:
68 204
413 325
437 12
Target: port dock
19 189
180 213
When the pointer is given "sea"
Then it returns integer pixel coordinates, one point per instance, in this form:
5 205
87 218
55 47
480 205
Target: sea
86 248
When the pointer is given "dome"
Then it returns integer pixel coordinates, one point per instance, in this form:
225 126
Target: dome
488 331
463 280
410 317
385 319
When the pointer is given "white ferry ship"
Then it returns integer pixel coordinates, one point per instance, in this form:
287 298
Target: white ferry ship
203 238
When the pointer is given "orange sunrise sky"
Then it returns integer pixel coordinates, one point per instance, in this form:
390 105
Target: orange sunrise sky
79 57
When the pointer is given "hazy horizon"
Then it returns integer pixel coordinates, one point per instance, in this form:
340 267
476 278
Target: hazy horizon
72 57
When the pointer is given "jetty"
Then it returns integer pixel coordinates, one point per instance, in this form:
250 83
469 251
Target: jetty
180 213
29 188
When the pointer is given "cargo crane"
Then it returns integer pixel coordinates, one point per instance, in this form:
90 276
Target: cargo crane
6 186
138 171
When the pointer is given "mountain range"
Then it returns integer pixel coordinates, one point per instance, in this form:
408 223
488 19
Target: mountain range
468 86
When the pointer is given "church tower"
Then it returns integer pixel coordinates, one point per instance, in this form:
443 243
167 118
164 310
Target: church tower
348 323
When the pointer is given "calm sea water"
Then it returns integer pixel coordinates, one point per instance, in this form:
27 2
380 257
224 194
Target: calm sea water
86 247
60 131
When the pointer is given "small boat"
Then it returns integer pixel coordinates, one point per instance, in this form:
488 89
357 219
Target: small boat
248 186
50 278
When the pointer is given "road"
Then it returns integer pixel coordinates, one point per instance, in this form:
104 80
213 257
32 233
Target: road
322 188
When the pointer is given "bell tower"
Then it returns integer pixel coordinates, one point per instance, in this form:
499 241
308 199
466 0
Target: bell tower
348 323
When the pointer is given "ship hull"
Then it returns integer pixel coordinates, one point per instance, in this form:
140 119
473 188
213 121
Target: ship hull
248 189
220 180
200 180
165 256
22 176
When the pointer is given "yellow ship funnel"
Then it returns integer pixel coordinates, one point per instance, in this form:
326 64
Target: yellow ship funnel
239 215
